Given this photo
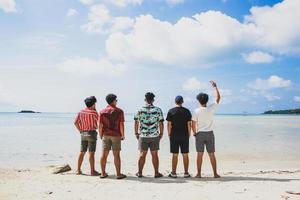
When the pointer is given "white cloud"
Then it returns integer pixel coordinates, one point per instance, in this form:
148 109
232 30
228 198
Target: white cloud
258 57
72 12
100 21
174 2
8 5
270 96
278 27
121 23
193 84
209 36
86 2
271 83
87 66
97 19
124 3
297 98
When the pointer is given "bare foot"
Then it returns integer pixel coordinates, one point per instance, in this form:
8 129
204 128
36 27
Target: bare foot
217 176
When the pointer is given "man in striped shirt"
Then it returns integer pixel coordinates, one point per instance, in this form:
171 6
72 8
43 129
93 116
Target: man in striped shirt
87 123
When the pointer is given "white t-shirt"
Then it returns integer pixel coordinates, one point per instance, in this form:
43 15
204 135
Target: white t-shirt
204 117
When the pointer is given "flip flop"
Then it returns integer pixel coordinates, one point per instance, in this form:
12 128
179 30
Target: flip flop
159 175
139 175
198 176
104 176
186 175
79 172
122 176
95 173
173 175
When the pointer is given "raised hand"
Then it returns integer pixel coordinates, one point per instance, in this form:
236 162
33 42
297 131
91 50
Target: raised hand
213 83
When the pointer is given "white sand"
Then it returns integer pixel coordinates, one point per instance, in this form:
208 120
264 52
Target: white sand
40 184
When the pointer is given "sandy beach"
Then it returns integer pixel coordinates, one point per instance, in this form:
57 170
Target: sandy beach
261 162
40 184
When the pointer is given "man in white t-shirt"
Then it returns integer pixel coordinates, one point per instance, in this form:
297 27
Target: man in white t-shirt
202 122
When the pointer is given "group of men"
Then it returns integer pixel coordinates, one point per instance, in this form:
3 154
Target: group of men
149 128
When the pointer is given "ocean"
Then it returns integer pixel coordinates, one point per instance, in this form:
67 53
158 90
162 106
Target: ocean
42 139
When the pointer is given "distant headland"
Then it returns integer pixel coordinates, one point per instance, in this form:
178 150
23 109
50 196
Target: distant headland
28 111
290 111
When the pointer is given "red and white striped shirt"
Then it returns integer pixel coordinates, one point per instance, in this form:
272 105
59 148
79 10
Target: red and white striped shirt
87 120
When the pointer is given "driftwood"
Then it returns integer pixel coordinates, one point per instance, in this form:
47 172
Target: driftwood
60 169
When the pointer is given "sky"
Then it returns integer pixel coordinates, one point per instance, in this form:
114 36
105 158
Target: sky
54 53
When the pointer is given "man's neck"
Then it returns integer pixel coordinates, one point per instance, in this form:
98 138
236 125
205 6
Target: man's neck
204 105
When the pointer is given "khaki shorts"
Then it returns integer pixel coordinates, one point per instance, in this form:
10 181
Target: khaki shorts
111 143
151 143
88 141
206 139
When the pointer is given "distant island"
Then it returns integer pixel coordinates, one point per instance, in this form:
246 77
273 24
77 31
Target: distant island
28 111
290 111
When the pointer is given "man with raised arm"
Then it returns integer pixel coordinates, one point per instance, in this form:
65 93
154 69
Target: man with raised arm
202 122
149 130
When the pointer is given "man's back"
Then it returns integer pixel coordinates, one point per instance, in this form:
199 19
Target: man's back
204 117
111 117
179 117
87 120
149 118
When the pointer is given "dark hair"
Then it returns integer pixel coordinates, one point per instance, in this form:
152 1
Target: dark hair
202 98
179 100
149 97
90 101
110 98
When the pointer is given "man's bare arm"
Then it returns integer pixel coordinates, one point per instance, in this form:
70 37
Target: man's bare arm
218 96
169 128
100 130
194 127
136 128
189 127
161 129
122 129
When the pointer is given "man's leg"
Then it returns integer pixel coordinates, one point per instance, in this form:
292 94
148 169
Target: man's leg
155 162
185 157
92 162
174 162
213 162
103 161
117 161
141 162
199 163
79 162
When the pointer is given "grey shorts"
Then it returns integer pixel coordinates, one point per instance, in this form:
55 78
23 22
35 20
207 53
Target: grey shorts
111 143
206 139
149 142
88 141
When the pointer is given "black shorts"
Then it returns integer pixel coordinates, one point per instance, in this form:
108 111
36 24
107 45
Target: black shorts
176 143
206 139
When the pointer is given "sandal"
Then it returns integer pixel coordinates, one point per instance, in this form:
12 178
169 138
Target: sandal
139 175
173 175
79 172
159 175
95 173
104 176
121 176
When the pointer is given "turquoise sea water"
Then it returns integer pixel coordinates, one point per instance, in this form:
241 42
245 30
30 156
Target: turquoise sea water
50 138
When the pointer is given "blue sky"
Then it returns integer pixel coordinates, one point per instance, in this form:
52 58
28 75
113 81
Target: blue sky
54 53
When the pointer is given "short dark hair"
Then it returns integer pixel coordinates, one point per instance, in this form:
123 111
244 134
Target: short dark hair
90 101
179 100
110 98
149 97
202 98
